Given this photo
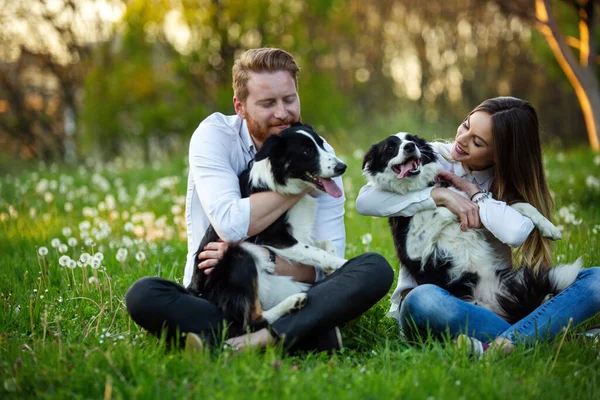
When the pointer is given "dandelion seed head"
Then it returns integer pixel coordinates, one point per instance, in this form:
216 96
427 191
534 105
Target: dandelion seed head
72 242
72 264
66 231
64 260
55 243
366 238
68 208
140 256
63 248
43 251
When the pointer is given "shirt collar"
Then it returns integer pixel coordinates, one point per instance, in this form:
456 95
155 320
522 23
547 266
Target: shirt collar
478 176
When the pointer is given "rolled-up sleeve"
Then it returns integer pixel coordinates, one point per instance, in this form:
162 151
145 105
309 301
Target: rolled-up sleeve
217 183
504 222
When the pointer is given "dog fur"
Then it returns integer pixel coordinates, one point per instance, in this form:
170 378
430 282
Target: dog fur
433 249
243 283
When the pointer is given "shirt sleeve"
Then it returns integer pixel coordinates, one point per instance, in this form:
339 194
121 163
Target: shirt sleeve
505 223
381 203
329 223
216 182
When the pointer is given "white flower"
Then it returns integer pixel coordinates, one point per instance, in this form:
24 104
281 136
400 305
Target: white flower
68 208
89 242
366 238
592 182
64 260
72 242
128 227
121 254
99 256
72 264
66 231
48 197
43 251
55 242
85 225
84 258
140 256
63 248
95 263
92 280
597 160
358 154
176 209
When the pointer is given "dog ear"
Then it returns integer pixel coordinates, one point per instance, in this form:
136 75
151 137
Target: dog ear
270 146
370 157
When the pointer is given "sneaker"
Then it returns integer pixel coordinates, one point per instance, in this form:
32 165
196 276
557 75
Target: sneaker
193 343
475 347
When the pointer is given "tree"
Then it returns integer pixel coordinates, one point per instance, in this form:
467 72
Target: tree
581 71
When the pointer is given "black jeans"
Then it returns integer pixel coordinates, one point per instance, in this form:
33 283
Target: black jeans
157 304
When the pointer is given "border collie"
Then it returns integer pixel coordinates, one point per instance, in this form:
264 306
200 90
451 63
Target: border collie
243 283
433 249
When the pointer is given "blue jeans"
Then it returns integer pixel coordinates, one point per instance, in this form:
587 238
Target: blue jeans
428 307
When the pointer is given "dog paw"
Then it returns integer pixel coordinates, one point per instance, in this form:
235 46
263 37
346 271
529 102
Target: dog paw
300 300
548 230
335 265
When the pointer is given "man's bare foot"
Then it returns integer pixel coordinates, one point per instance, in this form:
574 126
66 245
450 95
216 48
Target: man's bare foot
258 339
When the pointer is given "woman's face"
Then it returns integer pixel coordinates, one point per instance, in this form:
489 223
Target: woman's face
474 144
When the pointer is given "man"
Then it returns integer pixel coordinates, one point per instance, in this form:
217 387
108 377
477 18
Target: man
266 102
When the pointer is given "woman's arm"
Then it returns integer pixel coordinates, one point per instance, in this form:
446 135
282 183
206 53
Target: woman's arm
380 203
505 223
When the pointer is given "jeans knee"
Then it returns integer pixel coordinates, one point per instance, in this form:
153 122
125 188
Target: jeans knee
592 279
422 304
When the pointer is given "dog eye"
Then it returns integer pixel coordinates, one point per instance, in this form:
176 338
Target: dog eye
308 151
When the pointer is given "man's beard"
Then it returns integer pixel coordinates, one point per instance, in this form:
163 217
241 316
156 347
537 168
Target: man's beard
261 133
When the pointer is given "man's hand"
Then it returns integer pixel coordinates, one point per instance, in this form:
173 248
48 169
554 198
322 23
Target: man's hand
211 254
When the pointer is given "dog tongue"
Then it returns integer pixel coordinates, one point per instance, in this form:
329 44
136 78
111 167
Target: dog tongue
406 168
331 188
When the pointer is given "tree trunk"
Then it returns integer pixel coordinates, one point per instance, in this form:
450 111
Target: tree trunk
581 75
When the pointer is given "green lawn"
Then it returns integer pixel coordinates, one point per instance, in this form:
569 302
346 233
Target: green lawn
64 333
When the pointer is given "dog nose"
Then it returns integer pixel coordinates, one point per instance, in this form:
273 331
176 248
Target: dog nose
409 147
340 168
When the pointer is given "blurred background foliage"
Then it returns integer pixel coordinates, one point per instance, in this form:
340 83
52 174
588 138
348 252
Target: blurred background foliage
104 77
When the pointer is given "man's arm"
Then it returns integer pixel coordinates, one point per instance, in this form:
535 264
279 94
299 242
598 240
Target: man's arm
233 217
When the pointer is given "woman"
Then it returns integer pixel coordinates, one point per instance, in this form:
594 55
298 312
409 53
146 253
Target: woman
497 149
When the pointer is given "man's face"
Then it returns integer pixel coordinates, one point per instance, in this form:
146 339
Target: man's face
272 104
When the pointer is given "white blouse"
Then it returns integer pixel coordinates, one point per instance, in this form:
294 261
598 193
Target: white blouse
503 222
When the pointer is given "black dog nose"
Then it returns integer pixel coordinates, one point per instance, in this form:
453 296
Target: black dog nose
340 168
409 147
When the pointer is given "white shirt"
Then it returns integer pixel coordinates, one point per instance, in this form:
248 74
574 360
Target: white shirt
220 149
503 222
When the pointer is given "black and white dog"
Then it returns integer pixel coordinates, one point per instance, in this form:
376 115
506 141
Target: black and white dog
433 249
243 283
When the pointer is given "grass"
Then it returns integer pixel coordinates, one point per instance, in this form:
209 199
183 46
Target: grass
65 333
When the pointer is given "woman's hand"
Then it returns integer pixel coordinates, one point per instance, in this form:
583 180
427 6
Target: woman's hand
465 209
211 254
461 184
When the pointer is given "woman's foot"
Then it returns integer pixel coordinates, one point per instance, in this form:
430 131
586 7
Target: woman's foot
259 339
478 349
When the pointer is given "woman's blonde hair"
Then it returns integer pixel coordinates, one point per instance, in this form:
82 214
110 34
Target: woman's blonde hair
519 170
264 59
